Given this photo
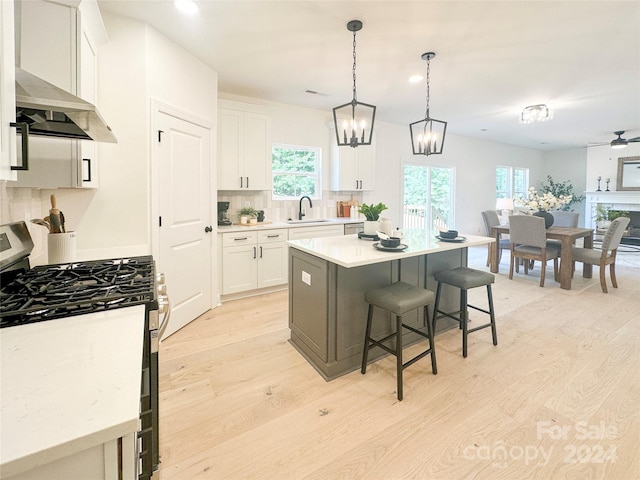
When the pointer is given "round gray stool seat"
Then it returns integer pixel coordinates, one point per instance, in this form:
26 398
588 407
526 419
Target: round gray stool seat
399 298
465 278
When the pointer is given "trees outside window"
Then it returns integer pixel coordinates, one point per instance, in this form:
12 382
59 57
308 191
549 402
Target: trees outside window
296 171
511 181
428 197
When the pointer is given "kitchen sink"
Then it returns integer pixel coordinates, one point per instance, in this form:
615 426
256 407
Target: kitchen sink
316 220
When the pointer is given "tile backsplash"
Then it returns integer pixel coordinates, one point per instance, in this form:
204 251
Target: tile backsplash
279 210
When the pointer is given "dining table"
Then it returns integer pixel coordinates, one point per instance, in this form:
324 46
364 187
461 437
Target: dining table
567 237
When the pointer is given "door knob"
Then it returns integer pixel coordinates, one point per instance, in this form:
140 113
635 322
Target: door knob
208 229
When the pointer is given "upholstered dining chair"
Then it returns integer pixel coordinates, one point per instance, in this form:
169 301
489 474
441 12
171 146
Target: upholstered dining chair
490 220
563 218
529 242
607 255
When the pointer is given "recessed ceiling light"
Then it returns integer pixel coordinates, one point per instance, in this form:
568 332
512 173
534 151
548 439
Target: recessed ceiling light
416 78
186 6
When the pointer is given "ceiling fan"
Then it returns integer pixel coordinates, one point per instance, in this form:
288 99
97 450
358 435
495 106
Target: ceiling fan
622 142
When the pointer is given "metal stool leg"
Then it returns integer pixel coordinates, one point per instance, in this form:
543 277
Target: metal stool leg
399 355
365 352
432 343
464 317
494 332
435 306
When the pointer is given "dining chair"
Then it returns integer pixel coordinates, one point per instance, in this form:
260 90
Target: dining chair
563 218
490 219
529 242
607 254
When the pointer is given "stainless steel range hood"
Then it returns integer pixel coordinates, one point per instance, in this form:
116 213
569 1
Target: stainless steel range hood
50 111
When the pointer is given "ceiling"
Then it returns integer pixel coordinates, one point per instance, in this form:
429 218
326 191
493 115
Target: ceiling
493 58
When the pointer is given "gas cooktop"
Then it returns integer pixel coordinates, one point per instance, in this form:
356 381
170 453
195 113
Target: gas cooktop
54 291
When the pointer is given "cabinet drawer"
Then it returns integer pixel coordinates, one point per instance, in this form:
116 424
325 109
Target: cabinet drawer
315 232
270 236
239 238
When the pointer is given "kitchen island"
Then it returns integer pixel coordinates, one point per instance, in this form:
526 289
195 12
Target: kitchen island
327 280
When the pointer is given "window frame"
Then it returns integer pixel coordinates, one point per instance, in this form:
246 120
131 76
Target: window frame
511 180
317 174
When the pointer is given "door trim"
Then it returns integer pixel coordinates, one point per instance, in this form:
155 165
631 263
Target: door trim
157 107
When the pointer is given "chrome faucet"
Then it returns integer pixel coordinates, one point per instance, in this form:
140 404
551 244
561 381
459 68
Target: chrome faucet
300 214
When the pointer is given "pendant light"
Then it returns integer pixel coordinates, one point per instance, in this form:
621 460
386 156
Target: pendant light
427 135
353 121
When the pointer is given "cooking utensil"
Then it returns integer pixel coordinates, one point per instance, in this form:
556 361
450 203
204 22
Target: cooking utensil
39 221
64 230
54 216
382 235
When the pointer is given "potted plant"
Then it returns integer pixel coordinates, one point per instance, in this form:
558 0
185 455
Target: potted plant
247 213
372 215
602 217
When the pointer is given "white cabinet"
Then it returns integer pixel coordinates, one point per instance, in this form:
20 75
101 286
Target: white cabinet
7 93
352 168
244 150
71 41
255 259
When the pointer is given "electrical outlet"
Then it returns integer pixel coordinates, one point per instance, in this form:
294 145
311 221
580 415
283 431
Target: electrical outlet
479 229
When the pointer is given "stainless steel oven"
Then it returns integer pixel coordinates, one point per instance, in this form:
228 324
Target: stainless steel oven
50 292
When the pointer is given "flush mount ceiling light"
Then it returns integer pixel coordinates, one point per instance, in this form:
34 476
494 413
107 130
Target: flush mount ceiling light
186 6
427 135
353 121
536 113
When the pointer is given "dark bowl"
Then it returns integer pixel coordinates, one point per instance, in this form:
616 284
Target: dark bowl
391 242
451 234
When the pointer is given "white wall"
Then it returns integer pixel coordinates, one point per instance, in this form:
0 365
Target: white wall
569 165
603 162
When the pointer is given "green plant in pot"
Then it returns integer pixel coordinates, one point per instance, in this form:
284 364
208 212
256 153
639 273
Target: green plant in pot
247 213
372 215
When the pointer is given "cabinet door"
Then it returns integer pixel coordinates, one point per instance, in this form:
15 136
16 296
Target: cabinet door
87 166
272 265
366 167
256 164
239 268
229 149
344 169
52 161
7 93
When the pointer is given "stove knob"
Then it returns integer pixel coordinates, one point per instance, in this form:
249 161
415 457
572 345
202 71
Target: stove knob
162 289
163 303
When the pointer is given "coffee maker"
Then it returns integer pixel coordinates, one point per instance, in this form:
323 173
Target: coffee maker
223 213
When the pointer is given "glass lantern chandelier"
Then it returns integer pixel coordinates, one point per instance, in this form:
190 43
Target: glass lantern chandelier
427 135
353 121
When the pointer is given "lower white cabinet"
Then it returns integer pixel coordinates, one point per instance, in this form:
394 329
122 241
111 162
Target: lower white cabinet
255 259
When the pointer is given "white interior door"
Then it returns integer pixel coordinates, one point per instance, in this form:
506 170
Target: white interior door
184 208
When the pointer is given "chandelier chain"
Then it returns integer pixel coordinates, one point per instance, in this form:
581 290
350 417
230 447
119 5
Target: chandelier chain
426 114
354 67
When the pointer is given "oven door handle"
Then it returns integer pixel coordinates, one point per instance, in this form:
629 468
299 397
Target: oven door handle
164 302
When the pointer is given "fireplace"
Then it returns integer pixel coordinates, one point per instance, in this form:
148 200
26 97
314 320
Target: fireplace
617 201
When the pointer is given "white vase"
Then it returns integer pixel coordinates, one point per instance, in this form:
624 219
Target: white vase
371 227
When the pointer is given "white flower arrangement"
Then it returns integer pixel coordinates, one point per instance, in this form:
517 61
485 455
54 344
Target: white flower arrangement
542 203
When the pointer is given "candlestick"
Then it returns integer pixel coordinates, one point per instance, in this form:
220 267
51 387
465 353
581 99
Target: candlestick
598 190
608 180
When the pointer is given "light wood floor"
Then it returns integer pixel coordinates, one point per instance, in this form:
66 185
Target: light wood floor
558 398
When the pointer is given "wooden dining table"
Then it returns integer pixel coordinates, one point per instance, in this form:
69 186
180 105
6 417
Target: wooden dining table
567 237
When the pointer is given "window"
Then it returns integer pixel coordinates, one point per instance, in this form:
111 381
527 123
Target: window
296 172
511 182
428 197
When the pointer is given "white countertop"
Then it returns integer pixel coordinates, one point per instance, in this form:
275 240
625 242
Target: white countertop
350 251
309 222
68 385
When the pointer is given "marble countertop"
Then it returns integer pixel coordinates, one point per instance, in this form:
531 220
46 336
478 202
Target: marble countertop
282 224
68 385
350 251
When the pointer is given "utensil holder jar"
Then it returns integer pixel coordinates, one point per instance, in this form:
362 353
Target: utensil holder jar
61 247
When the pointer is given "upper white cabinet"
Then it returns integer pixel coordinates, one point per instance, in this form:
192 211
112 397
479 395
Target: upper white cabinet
65 57
244 150
352 168
7 93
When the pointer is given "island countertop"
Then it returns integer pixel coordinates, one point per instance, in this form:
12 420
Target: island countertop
350 251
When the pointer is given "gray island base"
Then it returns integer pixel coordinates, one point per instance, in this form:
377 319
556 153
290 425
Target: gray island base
327 281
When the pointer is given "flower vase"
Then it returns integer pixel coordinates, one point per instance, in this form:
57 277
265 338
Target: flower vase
548 218
371 227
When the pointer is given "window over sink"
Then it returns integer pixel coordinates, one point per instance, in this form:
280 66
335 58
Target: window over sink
296 171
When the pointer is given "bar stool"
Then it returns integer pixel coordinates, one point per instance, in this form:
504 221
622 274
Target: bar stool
466 278
399 298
